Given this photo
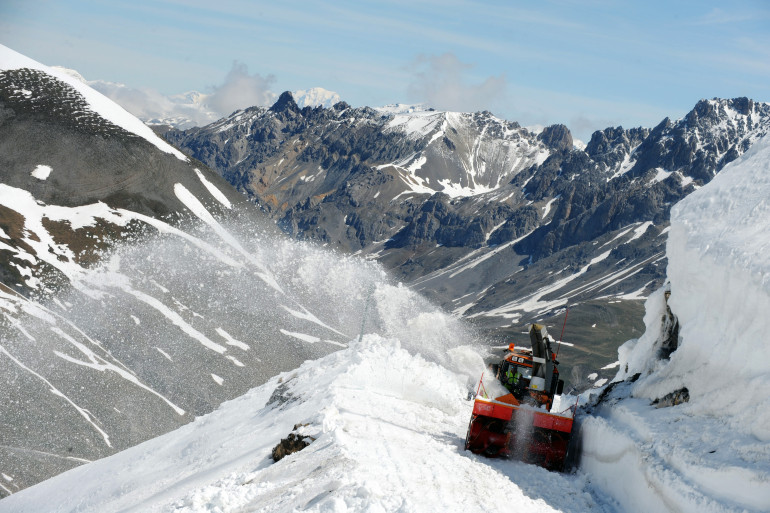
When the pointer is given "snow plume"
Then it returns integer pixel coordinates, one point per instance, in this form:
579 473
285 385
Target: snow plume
241 90
171 306
439 81
174 320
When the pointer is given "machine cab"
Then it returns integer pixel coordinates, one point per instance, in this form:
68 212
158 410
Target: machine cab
538 376
518 365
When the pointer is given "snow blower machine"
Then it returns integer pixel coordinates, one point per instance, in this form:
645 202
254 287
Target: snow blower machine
520 421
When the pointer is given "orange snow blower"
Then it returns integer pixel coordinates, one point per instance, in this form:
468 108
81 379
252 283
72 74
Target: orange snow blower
521 423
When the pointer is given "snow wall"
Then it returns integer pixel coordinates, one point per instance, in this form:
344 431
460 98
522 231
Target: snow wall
719 270
713 452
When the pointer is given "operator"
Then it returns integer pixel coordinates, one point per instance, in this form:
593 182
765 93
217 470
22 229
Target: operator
512 378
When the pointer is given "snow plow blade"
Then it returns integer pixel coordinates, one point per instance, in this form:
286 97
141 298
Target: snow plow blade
533 436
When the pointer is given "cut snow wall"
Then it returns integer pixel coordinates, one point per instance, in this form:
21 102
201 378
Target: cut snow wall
719 270
712 453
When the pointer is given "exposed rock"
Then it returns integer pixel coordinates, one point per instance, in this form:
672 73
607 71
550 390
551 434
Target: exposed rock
670 340
556 136
676 397
293 443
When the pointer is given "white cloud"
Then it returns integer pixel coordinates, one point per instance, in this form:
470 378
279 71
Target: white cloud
152 106
584 125
439 81
241 90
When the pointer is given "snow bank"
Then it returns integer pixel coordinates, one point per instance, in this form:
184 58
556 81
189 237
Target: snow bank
719 267
389 429
711 453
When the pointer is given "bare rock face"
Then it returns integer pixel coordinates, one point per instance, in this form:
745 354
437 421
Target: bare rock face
674 398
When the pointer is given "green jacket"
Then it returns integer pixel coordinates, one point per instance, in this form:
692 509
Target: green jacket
511 378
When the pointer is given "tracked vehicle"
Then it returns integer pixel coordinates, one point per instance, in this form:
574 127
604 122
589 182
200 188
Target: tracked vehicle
520 423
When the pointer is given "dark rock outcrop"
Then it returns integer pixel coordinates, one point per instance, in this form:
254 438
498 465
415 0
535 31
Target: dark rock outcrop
291 444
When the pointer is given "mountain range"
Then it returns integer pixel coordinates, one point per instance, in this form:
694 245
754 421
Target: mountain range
497 223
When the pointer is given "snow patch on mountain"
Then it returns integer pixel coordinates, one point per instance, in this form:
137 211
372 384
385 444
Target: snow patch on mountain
221 198
416 123
41 172
315 97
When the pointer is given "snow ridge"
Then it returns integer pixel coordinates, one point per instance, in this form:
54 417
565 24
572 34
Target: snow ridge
100 104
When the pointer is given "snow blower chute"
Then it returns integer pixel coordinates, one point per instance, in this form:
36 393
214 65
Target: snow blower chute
521 424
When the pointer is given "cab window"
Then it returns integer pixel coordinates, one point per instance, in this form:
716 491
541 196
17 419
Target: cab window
526 372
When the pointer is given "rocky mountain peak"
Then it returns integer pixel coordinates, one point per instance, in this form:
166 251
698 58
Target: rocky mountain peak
615 140
556 136
340 106
285 104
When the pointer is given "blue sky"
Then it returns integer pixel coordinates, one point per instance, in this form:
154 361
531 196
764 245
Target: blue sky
586 63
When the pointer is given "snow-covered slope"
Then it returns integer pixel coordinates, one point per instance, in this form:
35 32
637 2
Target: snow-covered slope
389 429
462 154
98 103
712 451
